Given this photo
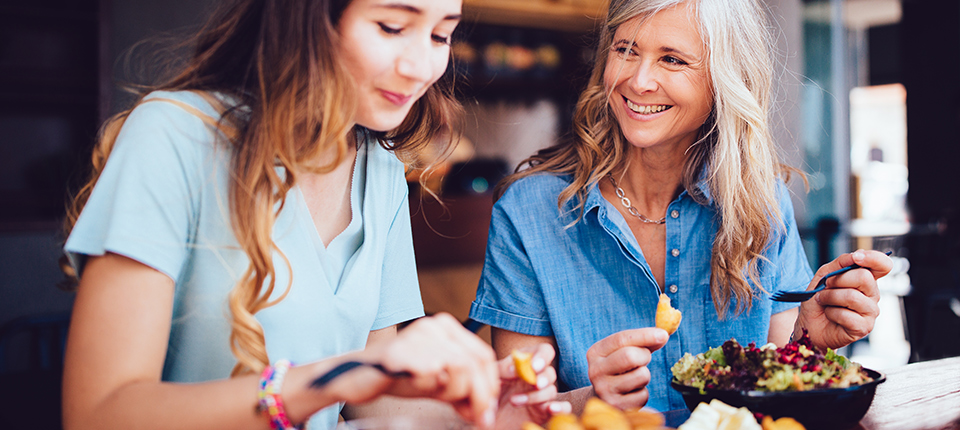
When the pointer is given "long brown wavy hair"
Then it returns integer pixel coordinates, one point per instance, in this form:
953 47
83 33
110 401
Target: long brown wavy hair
735 151
278 59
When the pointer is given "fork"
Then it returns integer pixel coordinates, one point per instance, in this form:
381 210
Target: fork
350 365
802 296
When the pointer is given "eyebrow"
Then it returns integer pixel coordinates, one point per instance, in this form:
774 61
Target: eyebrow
662 48
416 10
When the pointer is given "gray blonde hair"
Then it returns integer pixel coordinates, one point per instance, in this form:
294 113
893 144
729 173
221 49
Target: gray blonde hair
735 153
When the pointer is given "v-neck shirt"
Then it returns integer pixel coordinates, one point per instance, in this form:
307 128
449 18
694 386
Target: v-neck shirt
336 255
163 200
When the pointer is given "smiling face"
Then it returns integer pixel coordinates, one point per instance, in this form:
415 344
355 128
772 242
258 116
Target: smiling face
394 50
657 79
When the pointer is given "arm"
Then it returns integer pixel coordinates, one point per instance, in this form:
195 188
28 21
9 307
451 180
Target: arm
115 353
117 346
781 327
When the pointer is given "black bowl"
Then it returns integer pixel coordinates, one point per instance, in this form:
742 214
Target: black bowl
833 408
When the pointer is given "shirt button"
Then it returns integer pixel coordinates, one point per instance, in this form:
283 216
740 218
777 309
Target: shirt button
673 289
674 214
675 253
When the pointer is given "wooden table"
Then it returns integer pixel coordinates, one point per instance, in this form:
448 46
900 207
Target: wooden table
919 396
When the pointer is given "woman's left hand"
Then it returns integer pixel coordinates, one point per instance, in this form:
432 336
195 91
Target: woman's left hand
520 401
846 310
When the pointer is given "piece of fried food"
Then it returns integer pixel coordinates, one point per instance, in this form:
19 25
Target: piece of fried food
564 422
600 415
667 318
644 419
784 423
530 426
523 362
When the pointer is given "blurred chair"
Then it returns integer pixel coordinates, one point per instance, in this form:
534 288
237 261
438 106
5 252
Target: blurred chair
31 370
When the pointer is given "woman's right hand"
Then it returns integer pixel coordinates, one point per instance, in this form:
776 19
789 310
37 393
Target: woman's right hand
618 365
447 363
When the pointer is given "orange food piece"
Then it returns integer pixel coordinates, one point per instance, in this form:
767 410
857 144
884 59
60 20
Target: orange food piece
564 422
644 419
785 423
667 318
600 415
523 362
530 426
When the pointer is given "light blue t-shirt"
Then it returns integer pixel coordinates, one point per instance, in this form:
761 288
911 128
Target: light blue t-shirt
163 200
583 283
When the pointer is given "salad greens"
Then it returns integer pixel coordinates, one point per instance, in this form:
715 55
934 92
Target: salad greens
797 366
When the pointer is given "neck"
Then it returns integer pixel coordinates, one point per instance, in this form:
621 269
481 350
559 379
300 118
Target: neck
652 178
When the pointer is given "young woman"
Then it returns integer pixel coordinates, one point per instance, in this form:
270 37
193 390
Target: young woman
252 211
670 185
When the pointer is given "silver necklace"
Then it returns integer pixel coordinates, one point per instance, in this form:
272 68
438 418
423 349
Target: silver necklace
633 211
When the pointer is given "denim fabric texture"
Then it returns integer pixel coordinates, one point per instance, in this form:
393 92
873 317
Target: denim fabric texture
582 283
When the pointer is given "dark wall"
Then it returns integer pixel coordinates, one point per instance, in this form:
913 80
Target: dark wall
930 34
930 70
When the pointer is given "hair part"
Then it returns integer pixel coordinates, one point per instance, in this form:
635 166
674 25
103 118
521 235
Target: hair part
279 59
735 154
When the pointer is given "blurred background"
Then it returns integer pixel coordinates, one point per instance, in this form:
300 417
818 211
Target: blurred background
867 104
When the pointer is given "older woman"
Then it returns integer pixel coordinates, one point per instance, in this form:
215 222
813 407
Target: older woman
670 184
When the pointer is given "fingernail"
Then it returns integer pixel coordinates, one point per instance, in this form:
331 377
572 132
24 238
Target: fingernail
858 255
542 382
538 364
490 415
556 407
519 399
662 335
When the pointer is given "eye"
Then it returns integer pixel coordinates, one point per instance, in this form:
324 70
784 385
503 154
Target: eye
624 51
388 29
669 59
440 40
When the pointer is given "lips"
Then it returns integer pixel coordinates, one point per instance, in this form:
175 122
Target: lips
646 109
395 98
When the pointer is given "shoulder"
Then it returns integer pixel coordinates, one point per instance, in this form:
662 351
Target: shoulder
164 123
385 172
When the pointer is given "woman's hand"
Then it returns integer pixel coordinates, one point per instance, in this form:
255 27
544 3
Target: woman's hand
447 363
847 309
520 401
618 365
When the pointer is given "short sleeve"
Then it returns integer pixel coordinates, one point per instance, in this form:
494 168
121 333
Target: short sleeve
509 296
794 269
400 289
144 204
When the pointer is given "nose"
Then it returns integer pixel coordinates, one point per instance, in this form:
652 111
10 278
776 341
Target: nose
414 62
644 79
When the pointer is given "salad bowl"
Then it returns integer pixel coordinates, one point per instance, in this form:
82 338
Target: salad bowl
829 408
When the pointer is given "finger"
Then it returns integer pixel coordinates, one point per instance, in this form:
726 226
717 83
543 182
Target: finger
541 396
856 325
630 400
651 338
877 262
478 361
622 361
632 381
557 407
851 298
859 281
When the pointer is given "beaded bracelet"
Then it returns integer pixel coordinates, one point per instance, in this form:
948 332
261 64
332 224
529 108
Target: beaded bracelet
269 398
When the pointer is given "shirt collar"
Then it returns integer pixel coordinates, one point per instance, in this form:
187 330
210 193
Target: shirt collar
595 199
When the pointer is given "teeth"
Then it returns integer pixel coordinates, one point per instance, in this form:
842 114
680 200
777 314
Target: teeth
646 110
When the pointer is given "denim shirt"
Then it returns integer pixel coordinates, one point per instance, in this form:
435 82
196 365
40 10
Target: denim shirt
582 283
